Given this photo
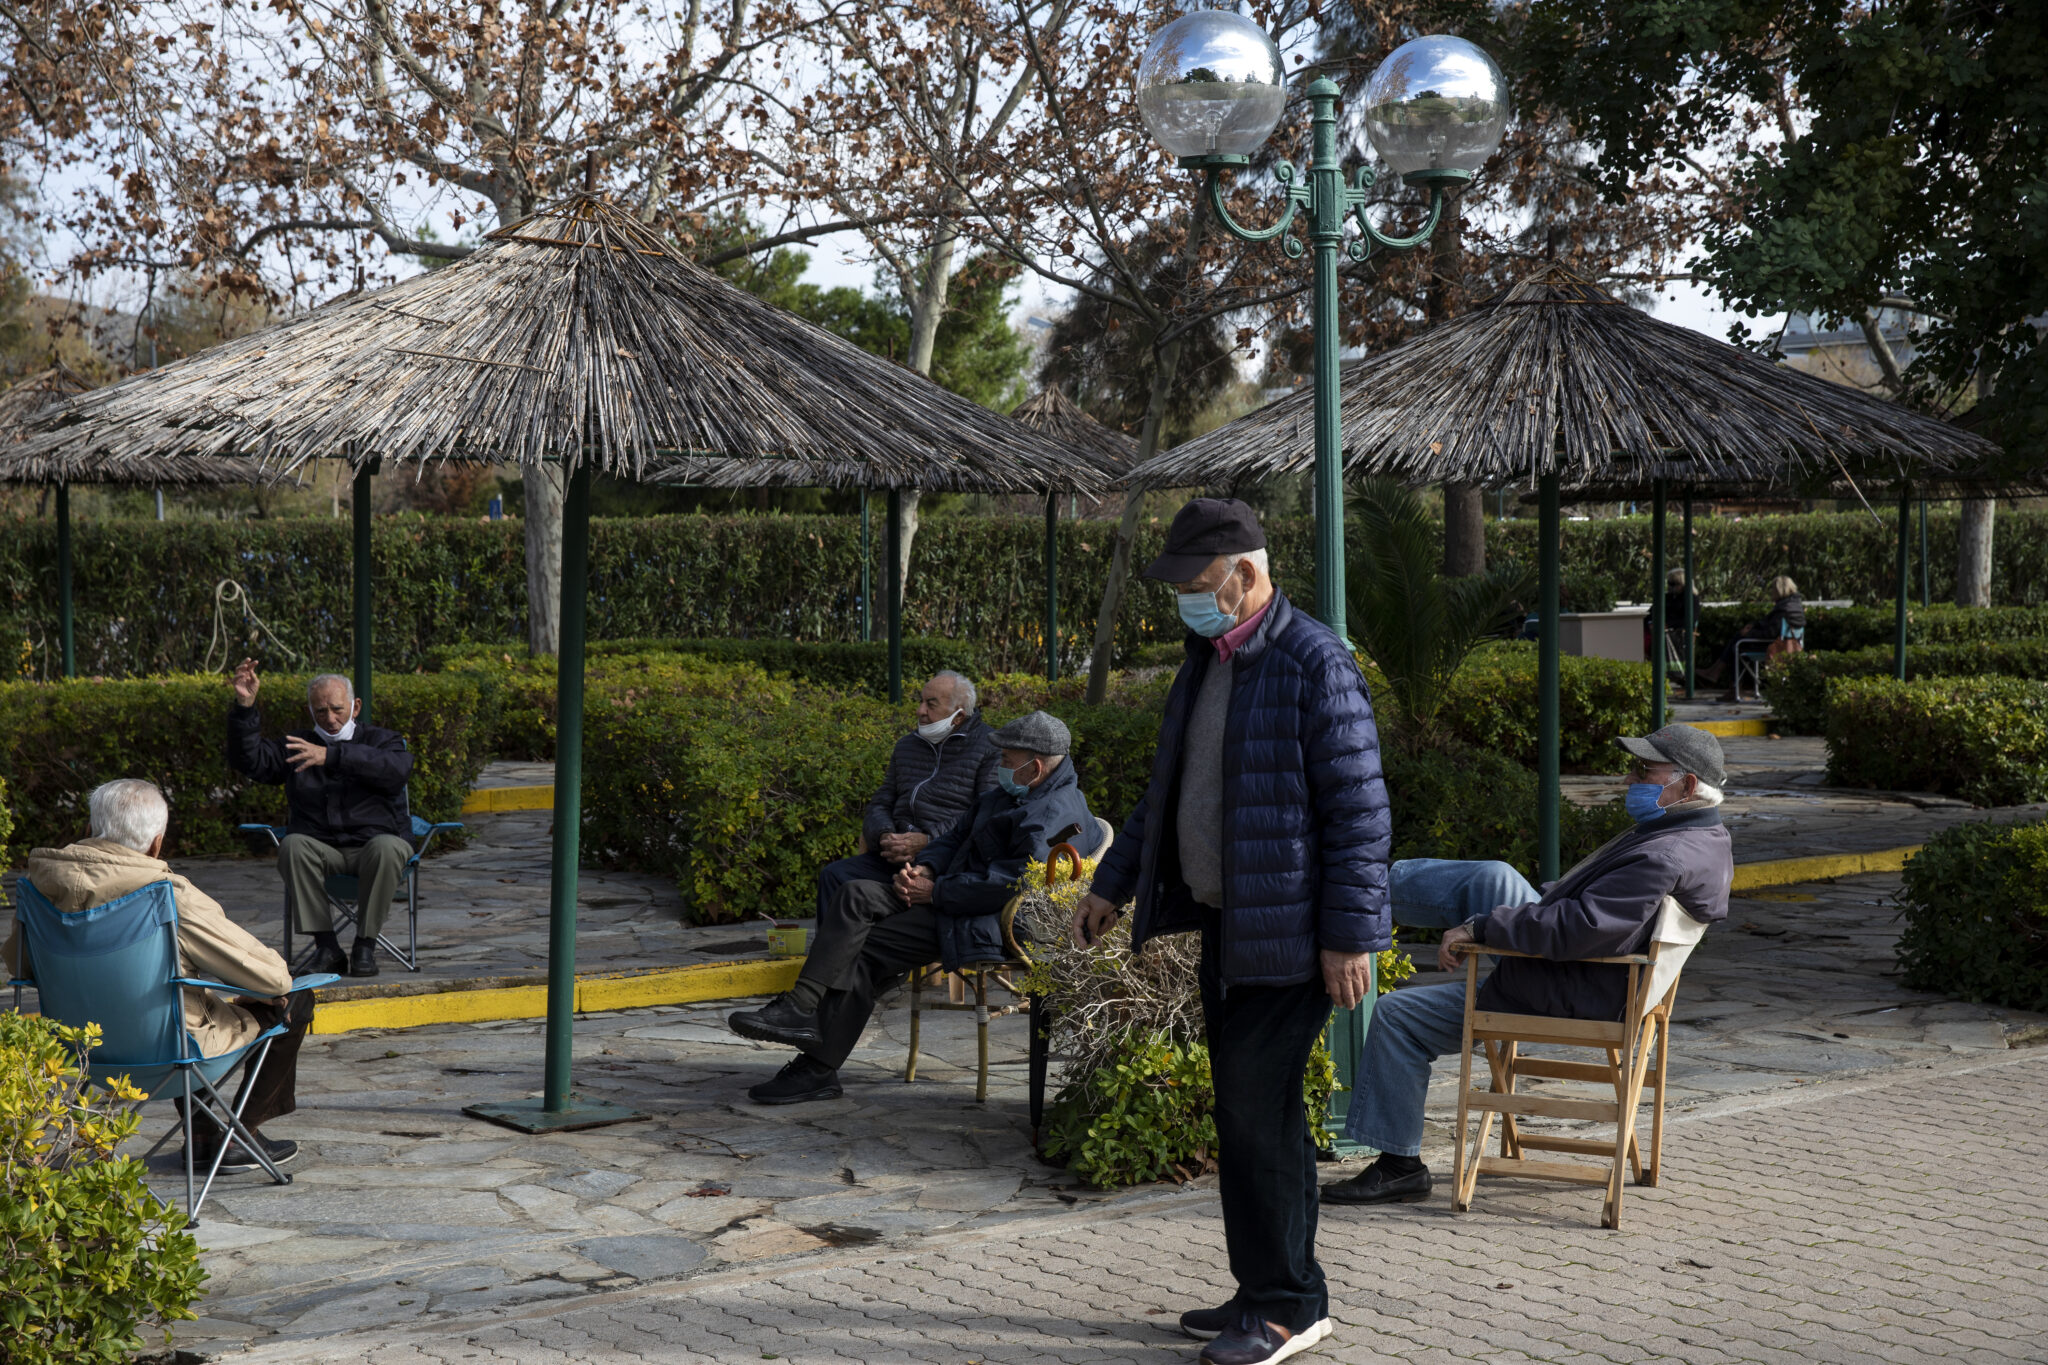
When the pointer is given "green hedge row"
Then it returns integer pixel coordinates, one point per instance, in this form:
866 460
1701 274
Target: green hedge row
1982 739
145 590
1846 628
1975 903
64 739
1798 684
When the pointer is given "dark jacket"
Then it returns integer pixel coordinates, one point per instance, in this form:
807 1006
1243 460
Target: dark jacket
929 786
1306 829
356 795
1786 615
978 863
1605 907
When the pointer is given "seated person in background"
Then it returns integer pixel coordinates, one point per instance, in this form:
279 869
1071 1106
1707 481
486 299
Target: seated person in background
935 773
1675 597
344 785
945 904
1604 907
1787 613
125 853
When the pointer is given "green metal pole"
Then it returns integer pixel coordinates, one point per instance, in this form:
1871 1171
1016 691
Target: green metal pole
1659 676
1923 552
67 652
1547 768
1326 235
1052 587
894 576
568 790
1905 529
359 506
1692 593
867 584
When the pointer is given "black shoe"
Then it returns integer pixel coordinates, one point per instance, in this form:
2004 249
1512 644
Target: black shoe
778 1021
238 1160
320 960
362 959
1206 1324
803 1079
1377 1185
1253 1341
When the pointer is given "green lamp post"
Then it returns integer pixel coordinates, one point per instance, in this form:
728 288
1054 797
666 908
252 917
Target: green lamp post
1211 89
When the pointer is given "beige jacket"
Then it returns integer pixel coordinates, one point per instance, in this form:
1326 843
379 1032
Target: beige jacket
210 945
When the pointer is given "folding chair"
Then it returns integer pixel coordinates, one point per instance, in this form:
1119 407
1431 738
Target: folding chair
116 965
344 890
1753 653
1017 958
1628 1044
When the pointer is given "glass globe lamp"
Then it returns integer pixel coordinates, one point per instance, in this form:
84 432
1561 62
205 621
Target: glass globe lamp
1211 85
1435 109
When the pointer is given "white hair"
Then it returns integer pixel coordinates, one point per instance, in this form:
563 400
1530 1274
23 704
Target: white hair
964 695
348 688
1255 558
130 812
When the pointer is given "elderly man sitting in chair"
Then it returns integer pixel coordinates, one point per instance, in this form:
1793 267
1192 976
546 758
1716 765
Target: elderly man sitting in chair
945 905
1605 907
345 784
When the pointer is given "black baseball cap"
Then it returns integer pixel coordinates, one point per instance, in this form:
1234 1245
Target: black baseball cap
1202 530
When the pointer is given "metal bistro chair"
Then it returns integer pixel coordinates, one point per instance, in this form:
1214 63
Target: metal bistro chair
1017 958
1752 654
1628 1043
116 965
344 890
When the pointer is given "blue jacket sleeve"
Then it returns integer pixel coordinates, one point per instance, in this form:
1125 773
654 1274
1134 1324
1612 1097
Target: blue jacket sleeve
1116 876
384 767
249 753
985 891
1608 917
939 852
1348 791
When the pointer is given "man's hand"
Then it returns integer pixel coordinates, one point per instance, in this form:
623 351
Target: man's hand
246 683
1093 918
303 753
1448 957
1347 976
901 848
914 885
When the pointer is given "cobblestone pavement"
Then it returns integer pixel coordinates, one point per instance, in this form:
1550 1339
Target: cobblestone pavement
1901 1219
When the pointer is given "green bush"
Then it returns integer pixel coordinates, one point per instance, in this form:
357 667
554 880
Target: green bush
1468 803
1492 705
1982 739
6 826
1798 684
1830 629
89 1259
1975 902
833 666
64 739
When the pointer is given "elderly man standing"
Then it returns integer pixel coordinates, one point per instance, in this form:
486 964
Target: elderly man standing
1265 827
344 782
945 904
935 773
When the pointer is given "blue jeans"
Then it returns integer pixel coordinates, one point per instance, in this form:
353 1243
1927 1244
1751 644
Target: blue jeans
1413 1027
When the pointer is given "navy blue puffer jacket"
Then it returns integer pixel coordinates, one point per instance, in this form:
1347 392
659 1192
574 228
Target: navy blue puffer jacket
1306 829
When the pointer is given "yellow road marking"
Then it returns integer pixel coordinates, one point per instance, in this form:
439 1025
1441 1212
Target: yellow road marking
486 799
681 986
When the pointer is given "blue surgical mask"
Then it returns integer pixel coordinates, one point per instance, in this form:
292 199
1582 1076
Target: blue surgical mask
1006 778
1642 801
1201 613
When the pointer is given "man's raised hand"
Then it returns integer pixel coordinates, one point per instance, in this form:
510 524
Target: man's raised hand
303 753
246 683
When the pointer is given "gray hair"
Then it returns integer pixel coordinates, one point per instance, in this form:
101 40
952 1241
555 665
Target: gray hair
964 695
1255 558
348 688
130 812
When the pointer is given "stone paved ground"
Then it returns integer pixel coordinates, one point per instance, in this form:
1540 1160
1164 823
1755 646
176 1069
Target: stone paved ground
1901 1219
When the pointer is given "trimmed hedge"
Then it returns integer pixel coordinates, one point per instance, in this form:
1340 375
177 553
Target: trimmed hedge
1982 739
64 739
1492 706
1975 903
1847 628
145 589
1798 684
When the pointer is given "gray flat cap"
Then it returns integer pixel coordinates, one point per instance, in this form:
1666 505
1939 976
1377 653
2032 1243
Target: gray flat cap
1691 748
1036 733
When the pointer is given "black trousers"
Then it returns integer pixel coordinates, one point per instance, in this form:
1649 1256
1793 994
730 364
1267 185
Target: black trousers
1260 1038
861 867
865 942
272 1089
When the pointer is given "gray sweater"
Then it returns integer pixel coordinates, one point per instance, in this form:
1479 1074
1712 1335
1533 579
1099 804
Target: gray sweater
1199 821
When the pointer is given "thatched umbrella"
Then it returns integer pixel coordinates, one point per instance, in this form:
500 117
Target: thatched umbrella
576 337
1556 382
21 465
1050 411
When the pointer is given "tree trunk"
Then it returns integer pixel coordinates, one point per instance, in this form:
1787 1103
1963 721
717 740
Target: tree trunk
927 308
1464 530
1127 526
1973 553
1464 505
543 557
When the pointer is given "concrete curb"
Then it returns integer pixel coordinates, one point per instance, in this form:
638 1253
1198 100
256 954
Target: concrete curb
611 991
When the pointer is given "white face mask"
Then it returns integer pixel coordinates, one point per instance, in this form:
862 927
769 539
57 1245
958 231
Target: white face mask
938 729
344 734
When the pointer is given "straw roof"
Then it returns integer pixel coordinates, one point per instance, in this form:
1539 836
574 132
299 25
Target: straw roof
1708 480
1060 417
1555 375
36 392
573 334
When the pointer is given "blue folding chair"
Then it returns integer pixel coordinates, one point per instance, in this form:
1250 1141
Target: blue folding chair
345 891
116 965
1752 653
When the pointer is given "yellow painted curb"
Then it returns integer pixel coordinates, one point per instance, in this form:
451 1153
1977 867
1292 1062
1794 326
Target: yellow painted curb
1731 728
1787 871
487 799
682 986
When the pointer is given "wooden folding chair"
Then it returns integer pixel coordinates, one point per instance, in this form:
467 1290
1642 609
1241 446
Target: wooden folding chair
1629 1044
